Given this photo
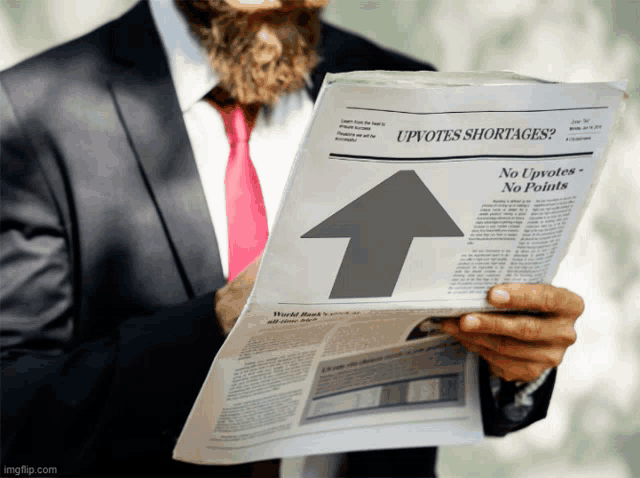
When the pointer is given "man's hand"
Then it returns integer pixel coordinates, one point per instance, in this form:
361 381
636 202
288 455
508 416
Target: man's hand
521 345
230 299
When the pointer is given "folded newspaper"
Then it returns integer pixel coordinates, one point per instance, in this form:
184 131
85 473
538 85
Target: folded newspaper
410 196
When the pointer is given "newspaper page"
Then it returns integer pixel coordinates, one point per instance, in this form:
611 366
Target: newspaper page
411 195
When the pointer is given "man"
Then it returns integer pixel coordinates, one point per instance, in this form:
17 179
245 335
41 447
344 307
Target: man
114 298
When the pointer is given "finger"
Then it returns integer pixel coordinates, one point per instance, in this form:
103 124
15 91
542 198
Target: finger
496 370
450 326
226 327
513 371
247 276
508 368
230 303
229 324
502 346
539 297
527 328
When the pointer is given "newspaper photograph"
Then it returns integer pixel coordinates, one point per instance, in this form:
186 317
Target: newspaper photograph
411 195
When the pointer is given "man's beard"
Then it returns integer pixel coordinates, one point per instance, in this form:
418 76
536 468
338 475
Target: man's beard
258 56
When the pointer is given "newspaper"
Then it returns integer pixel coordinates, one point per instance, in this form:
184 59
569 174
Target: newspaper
411 195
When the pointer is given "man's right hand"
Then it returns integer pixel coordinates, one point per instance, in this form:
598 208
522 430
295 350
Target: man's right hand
230 299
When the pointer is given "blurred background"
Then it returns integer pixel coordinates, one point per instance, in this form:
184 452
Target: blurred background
593 425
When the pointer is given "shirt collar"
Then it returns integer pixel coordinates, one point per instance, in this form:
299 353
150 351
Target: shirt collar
190 69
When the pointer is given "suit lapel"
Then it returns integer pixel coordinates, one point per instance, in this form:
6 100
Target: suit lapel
149 108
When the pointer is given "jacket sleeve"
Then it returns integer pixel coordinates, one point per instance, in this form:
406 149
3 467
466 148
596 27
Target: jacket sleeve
508 406
67 404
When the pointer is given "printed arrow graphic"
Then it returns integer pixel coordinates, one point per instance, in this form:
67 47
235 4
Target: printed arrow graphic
381 225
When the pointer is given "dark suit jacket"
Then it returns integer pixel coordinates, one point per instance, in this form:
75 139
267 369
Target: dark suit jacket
109 260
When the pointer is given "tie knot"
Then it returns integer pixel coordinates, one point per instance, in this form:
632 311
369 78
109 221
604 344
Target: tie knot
236 125
238 119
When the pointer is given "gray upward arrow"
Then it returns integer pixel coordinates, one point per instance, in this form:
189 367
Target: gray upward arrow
381 225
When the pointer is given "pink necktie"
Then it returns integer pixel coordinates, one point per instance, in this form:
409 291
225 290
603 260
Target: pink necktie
246 214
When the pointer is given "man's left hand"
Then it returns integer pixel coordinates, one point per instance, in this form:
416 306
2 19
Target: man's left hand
521 345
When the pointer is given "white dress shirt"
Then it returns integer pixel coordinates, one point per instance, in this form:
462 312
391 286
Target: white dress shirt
274 139
272 148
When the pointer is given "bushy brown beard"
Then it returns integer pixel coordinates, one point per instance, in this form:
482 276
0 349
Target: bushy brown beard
258 56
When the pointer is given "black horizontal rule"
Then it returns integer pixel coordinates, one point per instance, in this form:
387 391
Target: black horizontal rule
475 112
358 157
